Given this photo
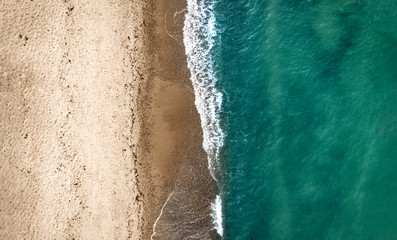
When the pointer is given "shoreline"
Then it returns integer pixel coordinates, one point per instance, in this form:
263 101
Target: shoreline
171 131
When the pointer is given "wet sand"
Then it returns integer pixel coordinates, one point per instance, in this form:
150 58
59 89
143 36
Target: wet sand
180 180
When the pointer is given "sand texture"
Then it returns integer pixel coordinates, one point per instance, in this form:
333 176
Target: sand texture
70 73
99 134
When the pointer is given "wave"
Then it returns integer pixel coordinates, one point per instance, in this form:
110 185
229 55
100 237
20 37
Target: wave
199 36
216 214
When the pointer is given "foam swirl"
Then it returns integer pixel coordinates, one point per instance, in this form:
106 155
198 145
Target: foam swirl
199 38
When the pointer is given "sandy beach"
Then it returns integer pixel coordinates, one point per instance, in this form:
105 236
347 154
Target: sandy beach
97 120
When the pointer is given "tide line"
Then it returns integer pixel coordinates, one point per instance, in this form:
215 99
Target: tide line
161 213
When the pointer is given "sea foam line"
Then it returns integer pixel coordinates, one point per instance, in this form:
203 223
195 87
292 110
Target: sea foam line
158 218
199 36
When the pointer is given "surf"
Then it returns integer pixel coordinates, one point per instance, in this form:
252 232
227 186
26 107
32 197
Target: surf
199 37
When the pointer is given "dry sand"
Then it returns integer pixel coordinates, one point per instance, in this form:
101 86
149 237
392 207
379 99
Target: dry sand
70 73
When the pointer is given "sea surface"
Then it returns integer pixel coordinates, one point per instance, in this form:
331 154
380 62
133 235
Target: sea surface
298 105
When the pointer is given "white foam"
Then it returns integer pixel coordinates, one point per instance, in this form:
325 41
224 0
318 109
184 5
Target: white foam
199 35
216 214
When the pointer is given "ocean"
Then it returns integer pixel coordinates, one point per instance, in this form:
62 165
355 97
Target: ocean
298 105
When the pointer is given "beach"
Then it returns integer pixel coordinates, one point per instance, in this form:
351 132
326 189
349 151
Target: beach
98 126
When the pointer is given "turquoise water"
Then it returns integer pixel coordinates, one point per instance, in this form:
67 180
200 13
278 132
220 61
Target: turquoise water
306 141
